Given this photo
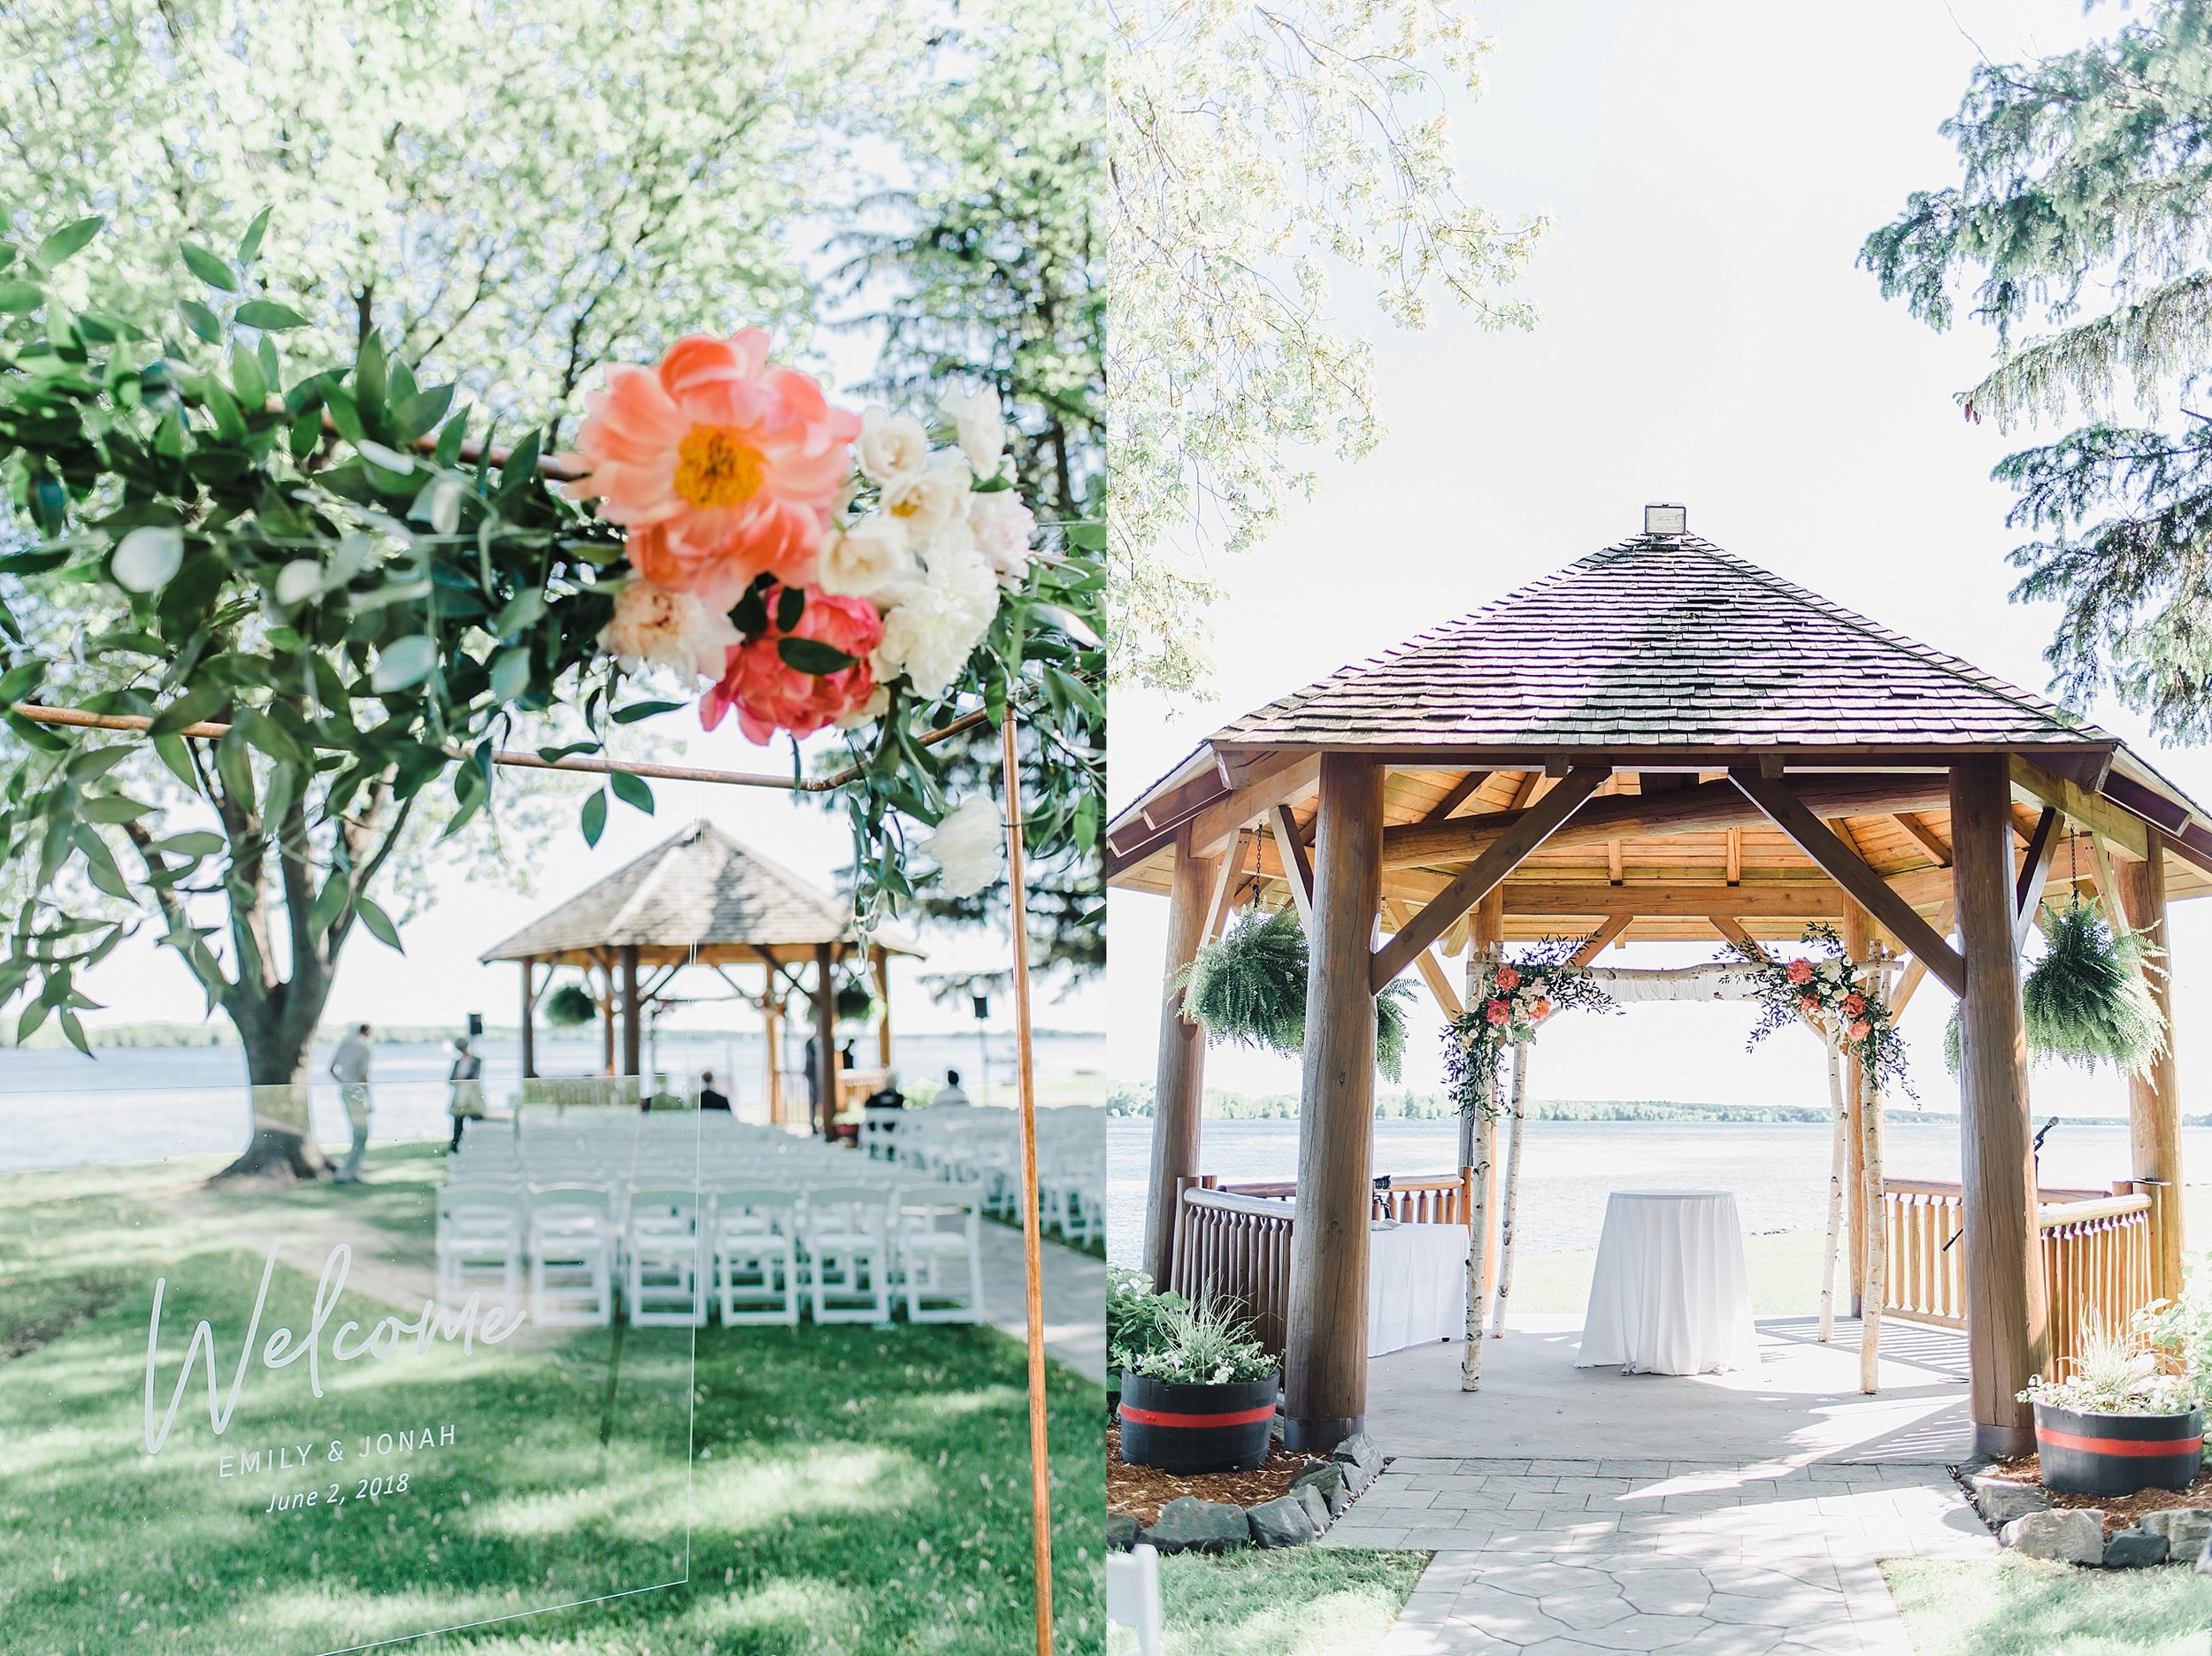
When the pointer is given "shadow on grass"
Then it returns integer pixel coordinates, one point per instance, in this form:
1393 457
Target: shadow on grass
854 1489
1306 1601
2016 1606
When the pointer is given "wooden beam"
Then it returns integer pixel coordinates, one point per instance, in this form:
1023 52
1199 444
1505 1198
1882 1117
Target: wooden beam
1462 791
1297 868
1271 780
1613 862
1179 1075
828 1073
1325 1369
1431 969
1705 807
1917 825
2094 811
1731 928
1602 940
1219 901
1735 856
1790 815
1916 970
2006 1307
2035 869
1535 825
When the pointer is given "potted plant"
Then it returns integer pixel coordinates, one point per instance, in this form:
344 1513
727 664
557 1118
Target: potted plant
1197 1391
2122 1422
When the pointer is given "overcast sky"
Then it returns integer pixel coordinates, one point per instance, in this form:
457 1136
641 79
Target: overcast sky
1710 171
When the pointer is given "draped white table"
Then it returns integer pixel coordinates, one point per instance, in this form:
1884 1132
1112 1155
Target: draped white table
1669 1294
1417 1286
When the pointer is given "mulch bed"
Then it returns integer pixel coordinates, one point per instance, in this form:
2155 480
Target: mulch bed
1142 1490
2121 1512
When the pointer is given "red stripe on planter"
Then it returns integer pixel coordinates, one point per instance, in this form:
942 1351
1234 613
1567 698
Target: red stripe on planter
2123 1445
1162 1417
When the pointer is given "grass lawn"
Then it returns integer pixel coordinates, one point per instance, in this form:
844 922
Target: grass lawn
2020 1607
1302 1601
852 1488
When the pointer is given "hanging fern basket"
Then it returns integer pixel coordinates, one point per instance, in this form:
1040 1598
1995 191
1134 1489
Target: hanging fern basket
1250 987
2088 1000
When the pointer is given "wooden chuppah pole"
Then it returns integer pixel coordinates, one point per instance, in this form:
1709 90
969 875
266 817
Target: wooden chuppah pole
1838 1161
1873 1286
1033 1244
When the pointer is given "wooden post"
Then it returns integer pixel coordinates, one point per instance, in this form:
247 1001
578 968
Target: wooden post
606 1017
2155 1101
879 969
1178 1082
772 1043
1325 1373
633 1027
529 1017
2007 1338
826 1071
1857 932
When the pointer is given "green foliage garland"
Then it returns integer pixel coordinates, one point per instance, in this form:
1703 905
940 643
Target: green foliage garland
1250 987
1510 1001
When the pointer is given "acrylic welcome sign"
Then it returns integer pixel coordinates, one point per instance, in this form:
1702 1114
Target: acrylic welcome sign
238 1416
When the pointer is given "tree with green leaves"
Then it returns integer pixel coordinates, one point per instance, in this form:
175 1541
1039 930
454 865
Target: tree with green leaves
2079 223
987 268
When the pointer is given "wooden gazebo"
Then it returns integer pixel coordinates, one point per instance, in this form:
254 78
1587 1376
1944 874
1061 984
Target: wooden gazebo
702 900
1661 741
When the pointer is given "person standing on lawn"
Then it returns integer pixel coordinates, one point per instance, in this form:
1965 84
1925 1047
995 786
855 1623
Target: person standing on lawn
466 1081
349 1067
952 1092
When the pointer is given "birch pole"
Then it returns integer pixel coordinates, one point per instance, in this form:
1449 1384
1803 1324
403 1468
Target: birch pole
1519 1108
1870 1289
1475 1157
1839 1128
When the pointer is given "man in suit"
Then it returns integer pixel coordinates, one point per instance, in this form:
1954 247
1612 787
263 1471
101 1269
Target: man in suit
710 1098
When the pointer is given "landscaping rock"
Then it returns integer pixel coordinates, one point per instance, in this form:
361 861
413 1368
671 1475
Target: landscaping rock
2186 1530
1327 1481
1317 1508
1188 1524
2204 1561
1121 1532
2002 1500
1281 1523
1360 1458
2076 1536
2132 1548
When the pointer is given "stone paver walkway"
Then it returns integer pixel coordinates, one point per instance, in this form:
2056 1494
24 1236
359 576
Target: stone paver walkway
1576 1558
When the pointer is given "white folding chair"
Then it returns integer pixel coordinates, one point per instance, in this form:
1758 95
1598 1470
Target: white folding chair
572 1256
940 1253
480 1247
755 1256
664 1283
1133 1596
847 1232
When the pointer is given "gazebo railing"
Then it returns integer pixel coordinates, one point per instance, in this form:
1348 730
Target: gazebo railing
1403 1198
2096 1246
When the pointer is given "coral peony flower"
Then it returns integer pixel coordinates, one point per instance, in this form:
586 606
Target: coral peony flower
722 464
1509 978
1808 1004
1497 1012
654 627
970 844
770 694
1853 1004
1860 1031
1801 971
1542 1008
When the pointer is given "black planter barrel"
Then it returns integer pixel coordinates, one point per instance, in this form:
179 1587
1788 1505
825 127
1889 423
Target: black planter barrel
1188 1428
2118 1454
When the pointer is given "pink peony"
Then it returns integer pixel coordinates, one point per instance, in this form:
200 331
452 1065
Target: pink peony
1801 971
1853 1004
1497 1012
722 464
770 694
1509 978
1541 1010
1808 1004
1860 1031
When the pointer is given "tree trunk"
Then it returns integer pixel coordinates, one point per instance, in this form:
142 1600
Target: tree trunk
279 1034
1519 1108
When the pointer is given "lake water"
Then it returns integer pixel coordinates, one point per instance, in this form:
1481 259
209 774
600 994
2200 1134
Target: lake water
59 1108
1779 1171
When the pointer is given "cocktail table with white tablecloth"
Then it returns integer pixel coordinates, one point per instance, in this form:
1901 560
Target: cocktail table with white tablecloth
1417 1286
1669 1294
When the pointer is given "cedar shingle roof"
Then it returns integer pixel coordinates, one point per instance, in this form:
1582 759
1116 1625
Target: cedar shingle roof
700 890
1664 641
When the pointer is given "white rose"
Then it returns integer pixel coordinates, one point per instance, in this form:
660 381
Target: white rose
976 417
938 618
868 558
891 446
655 627
932 495
1002 527
968 846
